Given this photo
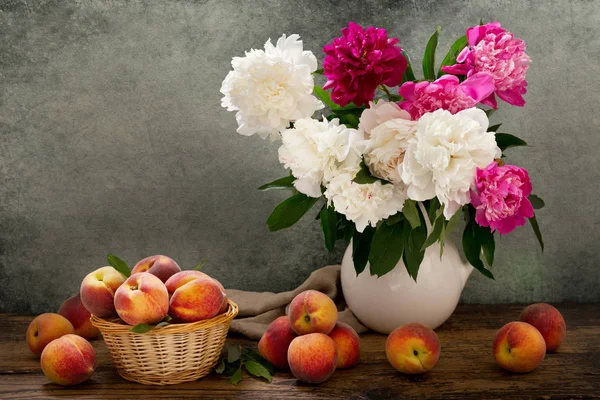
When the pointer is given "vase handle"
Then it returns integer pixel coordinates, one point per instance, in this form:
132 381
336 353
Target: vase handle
426 217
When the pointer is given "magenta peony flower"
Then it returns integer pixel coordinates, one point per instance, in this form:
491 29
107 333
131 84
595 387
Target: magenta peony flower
493 50
446 93
502 197
356 63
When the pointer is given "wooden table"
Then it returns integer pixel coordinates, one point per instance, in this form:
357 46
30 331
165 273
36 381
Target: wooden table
466 370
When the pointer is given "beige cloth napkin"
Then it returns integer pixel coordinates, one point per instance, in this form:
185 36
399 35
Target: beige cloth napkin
259 309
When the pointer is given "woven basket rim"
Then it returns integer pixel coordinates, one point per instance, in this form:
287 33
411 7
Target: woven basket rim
116 326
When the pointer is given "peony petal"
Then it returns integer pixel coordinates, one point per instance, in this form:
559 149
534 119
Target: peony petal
490 101
512 96
478 86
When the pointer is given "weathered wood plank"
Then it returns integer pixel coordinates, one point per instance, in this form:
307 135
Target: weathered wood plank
466 369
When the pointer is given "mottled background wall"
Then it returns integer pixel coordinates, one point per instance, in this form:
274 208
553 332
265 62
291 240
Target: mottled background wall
112 139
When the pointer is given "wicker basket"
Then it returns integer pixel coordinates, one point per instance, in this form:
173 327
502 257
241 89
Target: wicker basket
167 355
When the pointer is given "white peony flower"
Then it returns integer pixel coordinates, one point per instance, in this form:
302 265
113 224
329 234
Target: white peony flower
314 150
389 130
364 204
271 87
442 158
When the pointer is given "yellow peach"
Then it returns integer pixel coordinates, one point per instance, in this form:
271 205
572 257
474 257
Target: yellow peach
162 267
73 310
68 360
348 344
98 289
45 328
413 348
312 312
519 347
549 321
312 357
196 300
142 299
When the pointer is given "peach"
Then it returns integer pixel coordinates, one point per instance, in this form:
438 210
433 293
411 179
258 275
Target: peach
549 321
195 300
312 357
183 277
347 343
73 310
519 347
274 343
413 348
45 328
98 289
142 299
312 312
68 360
162 267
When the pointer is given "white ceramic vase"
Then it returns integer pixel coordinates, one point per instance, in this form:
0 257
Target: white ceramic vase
395 299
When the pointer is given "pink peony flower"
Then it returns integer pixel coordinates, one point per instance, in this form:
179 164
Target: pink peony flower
446 93
502 197
356 63
493 50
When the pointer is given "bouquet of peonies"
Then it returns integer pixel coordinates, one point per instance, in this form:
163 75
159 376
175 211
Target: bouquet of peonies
385 160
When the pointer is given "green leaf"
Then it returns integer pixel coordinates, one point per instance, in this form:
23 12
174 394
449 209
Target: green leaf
536 230
436 231
318 72
233 353
236 377
349 117
490 112
386 248
411 213
163 323
413 249
472 249
536 202
324 96
433 208
142 328
506 140
486 239
364 175
429 57
119 265
258 370
329 226
221 367
282 183
494 128
409 75
288 212
202 263
453 222
251 354
454 51
361 248
394 219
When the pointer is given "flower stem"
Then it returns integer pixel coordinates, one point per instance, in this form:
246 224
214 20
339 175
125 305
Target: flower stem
387 92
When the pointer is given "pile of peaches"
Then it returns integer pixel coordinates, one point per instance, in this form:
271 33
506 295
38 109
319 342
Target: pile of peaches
311 343
157 291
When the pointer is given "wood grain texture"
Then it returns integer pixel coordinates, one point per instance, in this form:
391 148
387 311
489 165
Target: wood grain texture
466 369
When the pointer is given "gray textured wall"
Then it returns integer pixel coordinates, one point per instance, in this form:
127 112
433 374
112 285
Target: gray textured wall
112 139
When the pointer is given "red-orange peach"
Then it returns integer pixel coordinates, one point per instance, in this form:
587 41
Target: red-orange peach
45 328
183 277
274 343
312 312
196 300
312 357
98 290
162 267
519 347
73 310
549 321
413 348
68 360
142 299
348 344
